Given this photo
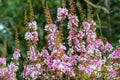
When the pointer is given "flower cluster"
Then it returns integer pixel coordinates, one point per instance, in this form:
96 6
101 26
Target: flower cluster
2 60
32 54
8 72
32 25
73 21
16 54
90 60
61 14
33 35
51 27
115 54
51 39
32 71
86 56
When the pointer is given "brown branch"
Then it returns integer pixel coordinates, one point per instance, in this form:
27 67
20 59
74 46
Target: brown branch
97 6
114 10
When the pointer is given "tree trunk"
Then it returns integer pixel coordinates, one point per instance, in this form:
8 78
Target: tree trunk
109 28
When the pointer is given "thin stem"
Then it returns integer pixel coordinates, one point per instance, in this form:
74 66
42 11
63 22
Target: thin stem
100 27
97 6
4 48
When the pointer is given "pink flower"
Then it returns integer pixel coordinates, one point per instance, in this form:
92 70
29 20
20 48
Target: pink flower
51 27
16 54
70 51
12 67
93 36
89 41
31 36
10 76
61 14
26 71
90 49
86 25
98 43
32 71
92 22
5 69
1 73
62 11
70 37
108 47
80 34
33 25
62 47
82 57
79 46
51 42
35 36
102 48
44 53
112 72
88 33
62 66
32 54
2 60
71 72
115 54
88 70
71 34
55 64
28 36
96 64
94 29
65 57
73 21
81 67
49 66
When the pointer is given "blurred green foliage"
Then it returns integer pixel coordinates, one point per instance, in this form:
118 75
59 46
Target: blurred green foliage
12 17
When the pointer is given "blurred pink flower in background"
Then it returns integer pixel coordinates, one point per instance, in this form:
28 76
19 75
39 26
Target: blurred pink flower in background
16 54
